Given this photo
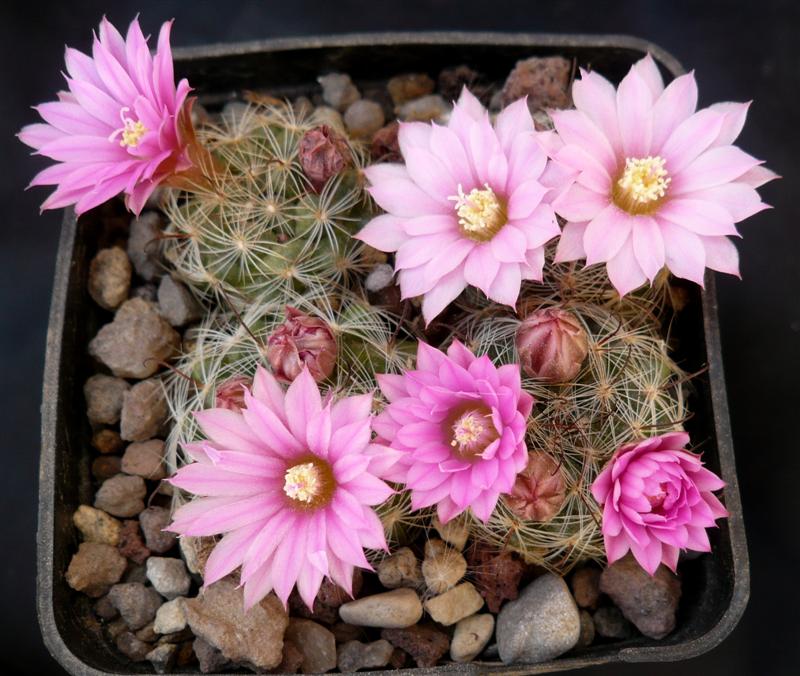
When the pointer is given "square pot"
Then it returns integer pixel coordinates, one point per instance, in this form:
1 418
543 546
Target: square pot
715 587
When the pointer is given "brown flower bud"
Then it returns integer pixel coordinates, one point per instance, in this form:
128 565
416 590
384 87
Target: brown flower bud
323 153
552 345
301 341
538 491
230 393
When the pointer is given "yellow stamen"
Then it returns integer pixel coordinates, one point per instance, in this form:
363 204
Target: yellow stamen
131 131
302 482
643 183
467 431
481 213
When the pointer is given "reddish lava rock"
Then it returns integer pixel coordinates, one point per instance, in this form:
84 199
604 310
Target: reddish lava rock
131 545
496 575
385 147
544 80
424 642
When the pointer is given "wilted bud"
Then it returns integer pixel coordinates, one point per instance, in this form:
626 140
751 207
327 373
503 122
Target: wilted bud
538 491
301 341
230 393
323 153
552 345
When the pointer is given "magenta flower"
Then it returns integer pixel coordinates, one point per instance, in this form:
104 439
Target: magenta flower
289 481
657 500
121 127
458 424
658 183
467 207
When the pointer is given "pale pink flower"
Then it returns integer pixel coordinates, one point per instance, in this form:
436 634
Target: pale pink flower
458 425
119 128
659 183
657 499
468 206
290 481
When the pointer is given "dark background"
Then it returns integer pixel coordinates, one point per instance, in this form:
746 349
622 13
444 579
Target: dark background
741 50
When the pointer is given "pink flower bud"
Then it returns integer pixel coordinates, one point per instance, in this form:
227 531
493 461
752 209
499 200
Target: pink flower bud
323 153
552 345
230 393
538 492
301 341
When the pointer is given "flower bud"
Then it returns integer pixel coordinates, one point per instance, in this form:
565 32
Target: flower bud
538 491
323 153
301 341
552 345
230 393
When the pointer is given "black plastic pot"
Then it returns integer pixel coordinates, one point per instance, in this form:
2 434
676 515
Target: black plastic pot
715 587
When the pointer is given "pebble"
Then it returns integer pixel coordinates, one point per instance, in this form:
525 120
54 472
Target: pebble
162 657
291 660
451 82
587 630
496 575
329 597
153 521
401 569
363 118
145 459
379 278
316 644
338 90
94 568
104 609
104 398
133 648
330 117
97 526
146 292
455 532
611 623
471 636
455 604
131 545
403 88
209 658
177 305
147 632
136 573
256 637
116 628
195 552
544 80
144 410
424 109
424 642
143 245
106 466
136 604
110 277
443 566
355 655
541 624
168 576
136 341
586 586
107 441
385 146
121 495
393 609
650 602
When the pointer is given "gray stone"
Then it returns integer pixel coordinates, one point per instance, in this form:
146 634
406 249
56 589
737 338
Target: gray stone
455 604
104 609
104 398
145 459
401 569
316 644
355 655
455 532
168 576
97 526
144 247
153 521
587 630
443 566
379 278
208 657
136 604
171 617
121 495
363 118
136 341
650 602
110 277
254 637
195 552
424 109
147 292
144 410
132 647
471 636
541 624
176 303
611 623
94 568
162 657
392 610
338 90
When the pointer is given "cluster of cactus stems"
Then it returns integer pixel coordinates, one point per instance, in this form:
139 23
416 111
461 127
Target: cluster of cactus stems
259 237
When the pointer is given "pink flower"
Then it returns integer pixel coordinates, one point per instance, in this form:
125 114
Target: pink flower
658 183
458 425
467 207
121 127
657 500
301 342
289 481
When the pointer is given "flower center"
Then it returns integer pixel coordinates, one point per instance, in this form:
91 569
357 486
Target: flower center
470 430
643 183
481 213
656 499
309 484
131 130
